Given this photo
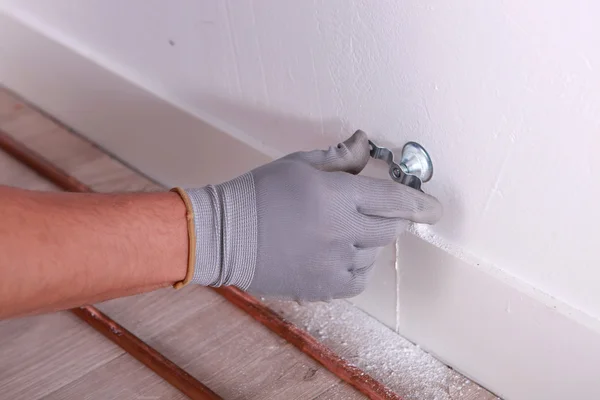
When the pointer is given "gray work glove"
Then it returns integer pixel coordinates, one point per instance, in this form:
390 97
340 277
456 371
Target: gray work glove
303 227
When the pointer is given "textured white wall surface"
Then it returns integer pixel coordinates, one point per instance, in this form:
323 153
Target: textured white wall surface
505 95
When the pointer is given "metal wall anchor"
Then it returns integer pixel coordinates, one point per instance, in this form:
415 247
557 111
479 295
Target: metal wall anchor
415 166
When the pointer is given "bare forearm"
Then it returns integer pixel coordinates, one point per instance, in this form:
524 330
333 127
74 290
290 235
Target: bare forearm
60 250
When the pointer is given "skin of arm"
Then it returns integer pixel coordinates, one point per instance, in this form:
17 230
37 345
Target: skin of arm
62 250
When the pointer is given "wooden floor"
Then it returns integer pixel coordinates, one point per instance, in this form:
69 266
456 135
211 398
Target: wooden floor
57 356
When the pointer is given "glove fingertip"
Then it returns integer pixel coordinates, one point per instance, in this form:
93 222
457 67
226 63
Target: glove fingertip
427 209
357 152
349 156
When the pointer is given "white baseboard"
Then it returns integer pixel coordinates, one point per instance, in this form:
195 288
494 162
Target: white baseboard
517 342
501 333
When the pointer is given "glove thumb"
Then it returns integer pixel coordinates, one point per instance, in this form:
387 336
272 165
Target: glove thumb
350 156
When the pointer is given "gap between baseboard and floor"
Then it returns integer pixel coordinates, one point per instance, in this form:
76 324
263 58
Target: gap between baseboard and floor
501 332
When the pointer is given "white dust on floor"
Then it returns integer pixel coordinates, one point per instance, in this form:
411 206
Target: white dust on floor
365 342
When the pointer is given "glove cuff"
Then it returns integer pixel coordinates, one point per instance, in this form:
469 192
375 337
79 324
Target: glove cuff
226 233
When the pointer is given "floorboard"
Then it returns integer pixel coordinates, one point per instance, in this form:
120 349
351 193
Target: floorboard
41 354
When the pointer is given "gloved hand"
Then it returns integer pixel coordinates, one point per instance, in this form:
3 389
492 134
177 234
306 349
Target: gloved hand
303 227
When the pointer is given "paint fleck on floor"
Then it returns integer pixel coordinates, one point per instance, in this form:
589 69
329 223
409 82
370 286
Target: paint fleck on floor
367 343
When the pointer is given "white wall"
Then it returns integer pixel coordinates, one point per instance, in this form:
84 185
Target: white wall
504 95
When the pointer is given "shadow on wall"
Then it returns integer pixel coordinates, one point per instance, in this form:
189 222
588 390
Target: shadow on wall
282 132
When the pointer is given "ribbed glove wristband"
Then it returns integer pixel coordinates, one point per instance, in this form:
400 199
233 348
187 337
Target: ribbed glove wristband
225 233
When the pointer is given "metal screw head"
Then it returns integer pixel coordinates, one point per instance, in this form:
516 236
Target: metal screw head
416 161
414 168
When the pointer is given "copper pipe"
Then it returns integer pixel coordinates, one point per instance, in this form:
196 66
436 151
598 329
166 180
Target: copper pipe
40 165
133 345
303 340
306 343
147 355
